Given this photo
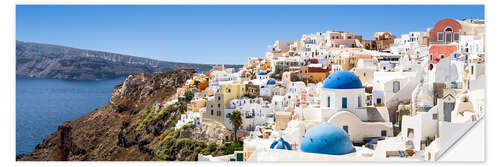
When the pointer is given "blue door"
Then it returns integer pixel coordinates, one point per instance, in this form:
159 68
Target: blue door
344 102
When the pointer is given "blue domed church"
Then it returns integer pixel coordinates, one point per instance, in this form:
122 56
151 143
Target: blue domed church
326 138
342 91
343 104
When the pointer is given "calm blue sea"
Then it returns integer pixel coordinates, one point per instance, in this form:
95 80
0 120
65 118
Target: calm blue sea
44 104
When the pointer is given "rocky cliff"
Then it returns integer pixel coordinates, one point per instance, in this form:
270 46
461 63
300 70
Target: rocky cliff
129 127
53 61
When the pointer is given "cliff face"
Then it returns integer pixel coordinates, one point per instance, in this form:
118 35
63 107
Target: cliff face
118 130
52 61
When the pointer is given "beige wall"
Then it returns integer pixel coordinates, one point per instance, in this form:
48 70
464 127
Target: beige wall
365 75
357 129
282 119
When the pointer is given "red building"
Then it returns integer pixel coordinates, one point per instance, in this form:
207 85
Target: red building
441 52
445 31
443 39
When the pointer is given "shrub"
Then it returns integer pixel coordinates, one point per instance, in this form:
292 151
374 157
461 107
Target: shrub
235 146
189 95
170 146
402 112
147 116
295 78
429 139
151 117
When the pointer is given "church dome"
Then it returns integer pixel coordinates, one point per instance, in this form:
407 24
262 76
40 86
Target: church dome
342 80
271 82
261 73
281 144
327 139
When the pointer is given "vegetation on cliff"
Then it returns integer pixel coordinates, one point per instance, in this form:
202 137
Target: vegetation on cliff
130 128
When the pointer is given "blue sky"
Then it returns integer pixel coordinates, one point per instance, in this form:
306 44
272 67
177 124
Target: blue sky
216 34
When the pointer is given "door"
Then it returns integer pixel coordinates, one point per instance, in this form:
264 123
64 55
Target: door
448 36
344 102
447 109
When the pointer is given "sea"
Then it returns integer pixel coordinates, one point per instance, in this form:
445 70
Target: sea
44 104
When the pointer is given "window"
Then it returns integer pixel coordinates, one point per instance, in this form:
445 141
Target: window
359 101
218 105
441 56
434 116
228 90
409 133
456 36
328 101
395 87
212 112
383 133
344 102
346 129
440 36
379 101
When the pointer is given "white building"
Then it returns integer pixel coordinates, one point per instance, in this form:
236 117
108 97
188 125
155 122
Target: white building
255 112
190 118
417 128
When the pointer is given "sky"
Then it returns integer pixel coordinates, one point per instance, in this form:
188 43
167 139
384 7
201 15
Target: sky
216 34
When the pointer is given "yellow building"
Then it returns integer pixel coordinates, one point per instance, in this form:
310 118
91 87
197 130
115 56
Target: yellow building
316 73
315 77
232 91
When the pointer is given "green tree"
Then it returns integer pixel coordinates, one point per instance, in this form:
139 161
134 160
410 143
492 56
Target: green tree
183 107
189 95
278 72
295 78
236 121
